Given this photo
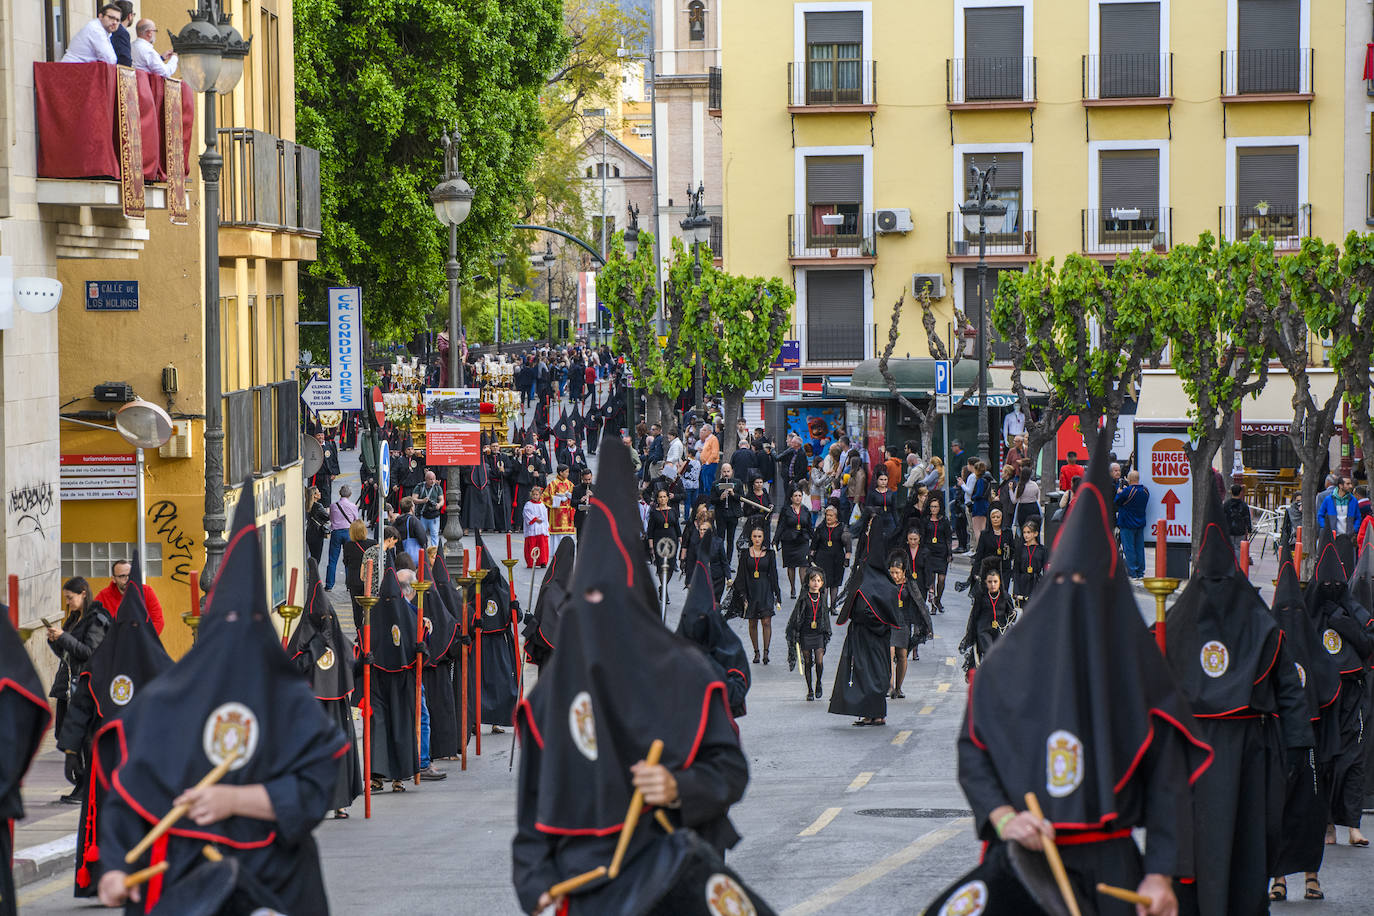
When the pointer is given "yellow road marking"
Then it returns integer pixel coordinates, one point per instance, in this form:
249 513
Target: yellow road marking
927 710
859 782
821 822
45 890
901 738
943 688
950 660
902 857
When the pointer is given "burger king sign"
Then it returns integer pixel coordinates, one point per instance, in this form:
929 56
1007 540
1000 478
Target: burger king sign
1164 471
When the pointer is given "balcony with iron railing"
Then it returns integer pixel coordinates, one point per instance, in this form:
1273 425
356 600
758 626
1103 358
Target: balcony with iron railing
834 344
1010 238
990 82
1128 79
1267 75
1286 227
831 86
844 235
1120 230
270 184
713 90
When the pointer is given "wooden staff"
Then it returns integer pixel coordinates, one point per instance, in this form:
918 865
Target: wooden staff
632 815
178 812
1061 877
1122 894
564 888
143 876
760 506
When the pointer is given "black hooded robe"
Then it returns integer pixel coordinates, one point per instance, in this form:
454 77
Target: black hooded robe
701 622
865 667
476 511
494 644
445 648
235 691
498 472
1106 739
594 713
1362 592
24 718
1226 651
542 626
529 470
324 655
395 754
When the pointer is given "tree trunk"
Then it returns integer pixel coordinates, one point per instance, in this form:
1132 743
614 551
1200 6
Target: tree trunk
732 401
1200 470
1311 478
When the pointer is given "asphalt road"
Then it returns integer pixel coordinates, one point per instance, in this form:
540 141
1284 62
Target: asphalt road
836 819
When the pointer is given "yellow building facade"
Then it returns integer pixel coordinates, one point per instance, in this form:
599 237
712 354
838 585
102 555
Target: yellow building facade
849 130
269 220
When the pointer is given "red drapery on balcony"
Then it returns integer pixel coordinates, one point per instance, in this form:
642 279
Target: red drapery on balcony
78 121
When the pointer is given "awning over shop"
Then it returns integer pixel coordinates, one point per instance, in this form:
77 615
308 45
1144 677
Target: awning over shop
1162 398
915 378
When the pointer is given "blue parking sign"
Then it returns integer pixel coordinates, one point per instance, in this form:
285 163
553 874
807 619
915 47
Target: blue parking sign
942 374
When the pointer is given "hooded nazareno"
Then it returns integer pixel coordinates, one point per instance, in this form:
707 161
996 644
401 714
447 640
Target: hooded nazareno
235 692
1105 739
494 631
618 680
1231 661
701 622
395 755
871 613
540 630
23 720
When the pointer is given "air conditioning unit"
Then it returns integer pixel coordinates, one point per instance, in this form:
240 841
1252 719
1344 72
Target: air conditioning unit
932 285
895 220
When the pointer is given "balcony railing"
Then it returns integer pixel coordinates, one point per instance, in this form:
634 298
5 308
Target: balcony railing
832 84
833 344
1128 76
1266 72
268 183
1123 229
717 238
713 85
1285 226
831 235
1012 234
977 80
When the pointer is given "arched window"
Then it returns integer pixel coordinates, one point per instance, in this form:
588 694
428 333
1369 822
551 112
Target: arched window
696 21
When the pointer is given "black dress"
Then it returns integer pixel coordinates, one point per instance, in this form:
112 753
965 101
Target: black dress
809 625
829 547
991 544
756 591
1028 568
794 534
987 621
663 524
884 504
913 620
935 546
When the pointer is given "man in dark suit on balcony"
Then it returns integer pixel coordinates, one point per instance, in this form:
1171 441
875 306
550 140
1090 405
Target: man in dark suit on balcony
123 44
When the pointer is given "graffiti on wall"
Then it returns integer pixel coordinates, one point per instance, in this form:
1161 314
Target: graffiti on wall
31 505
164 517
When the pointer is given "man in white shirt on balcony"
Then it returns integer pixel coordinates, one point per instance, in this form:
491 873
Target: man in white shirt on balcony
92 43
146 56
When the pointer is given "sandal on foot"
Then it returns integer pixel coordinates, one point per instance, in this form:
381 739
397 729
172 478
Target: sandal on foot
1279 889
1313 890
377 784
810 696
756 658
341 815
398 786
765 658
1361 842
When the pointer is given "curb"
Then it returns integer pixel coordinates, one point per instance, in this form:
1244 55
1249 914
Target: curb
39 862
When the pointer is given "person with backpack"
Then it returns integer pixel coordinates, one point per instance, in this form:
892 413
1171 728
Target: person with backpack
977 493
1237 515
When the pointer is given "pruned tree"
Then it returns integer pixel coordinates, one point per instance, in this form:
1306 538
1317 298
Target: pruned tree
939 349
1087 330
1214 315
1325 292
1014 327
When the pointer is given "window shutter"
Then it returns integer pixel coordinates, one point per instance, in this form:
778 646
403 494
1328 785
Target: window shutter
240 436
993 32
1008 176
834 179
834 314
1267 24
1129 58
1129 179
1267 173
834 28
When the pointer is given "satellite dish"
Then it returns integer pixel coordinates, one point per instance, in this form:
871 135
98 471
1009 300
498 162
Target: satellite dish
143 424
312 456
37 294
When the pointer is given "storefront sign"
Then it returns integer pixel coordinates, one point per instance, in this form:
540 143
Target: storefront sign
453 426
98 477
112 295
763 389
1165 473
789 357
346 347
1263 429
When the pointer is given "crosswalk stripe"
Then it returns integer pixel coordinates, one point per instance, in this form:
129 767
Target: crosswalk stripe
821 822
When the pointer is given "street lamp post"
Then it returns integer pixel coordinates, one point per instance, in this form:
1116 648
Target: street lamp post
452 200
212 53
696 231
545 263
981 204
499 261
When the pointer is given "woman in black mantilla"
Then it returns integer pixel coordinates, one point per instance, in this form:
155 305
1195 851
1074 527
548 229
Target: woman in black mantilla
794 536
757 494
756 594
663 523
830 550
995 543
990 616
1030 561
863 674
912 618
936 539
809 629
691 539
883 501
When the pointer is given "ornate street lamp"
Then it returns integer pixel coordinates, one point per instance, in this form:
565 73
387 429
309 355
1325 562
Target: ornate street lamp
696 231
212 52
981 204
452 201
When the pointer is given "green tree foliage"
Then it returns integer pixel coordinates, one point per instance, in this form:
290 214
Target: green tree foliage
1086 329
521 319
1215 314
378 82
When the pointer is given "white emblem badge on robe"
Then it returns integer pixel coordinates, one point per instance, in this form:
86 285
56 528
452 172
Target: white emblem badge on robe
121 690
724 897
1063 763
582 724
231 728
1215 658
1332 640
969 900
